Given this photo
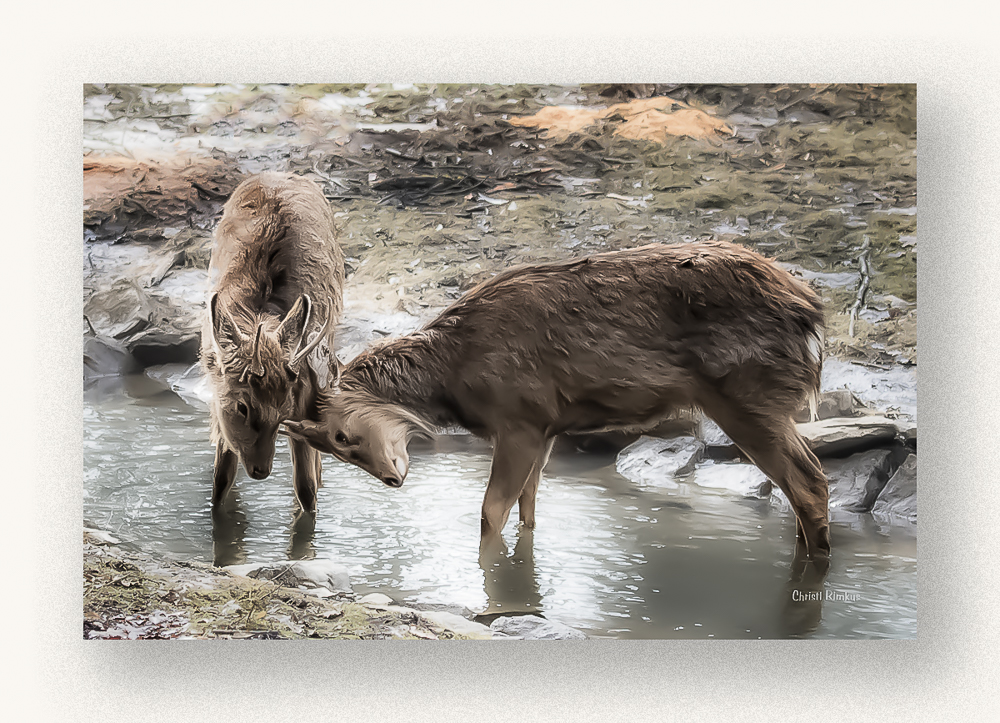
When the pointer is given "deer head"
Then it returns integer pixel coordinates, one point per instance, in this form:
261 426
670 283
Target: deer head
259 359
362 431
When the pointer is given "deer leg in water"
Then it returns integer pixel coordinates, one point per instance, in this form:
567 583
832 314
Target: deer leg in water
515 453
795 469
319 471
304 475
224 473
526 502
776 447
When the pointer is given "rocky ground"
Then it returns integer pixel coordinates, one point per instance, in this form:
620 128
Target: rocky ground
129 595
436 188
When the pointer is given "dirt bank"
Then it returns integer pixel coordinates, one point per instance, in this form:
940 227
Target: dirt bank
438 187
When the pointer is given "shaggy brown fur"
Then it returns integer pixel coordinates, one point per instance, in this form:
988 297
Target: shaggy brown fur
278 283
615 340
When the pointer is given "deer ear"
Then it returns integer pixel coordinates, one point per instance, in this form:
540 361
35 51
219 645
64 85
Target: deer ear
224 331
338 370
294 325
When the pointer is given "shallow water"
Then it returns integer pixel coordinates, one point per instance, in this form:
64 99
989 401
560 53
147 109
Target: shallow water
607 557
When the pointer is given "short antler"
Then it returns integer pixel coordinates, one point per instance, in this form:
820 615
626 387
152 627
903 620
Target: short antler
256 365
302 353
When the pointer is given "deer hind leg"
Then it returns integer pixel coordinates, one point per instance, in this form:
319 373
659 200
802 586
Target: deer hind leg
515 455
224 473
774 445
305 474
526 502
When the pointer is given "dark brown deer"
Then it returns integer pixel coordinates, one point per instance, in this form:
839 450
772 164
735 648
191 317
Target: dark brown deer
268 339
615 340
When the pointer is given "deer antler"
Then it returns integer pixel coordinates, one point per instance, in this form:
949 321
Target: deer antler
256 365
302 353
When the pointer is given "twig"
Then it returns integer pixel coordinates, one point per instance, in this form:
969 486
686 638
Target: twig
865 262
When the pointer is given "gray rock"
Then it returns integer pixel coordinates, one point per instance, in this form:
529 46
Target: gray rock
744 479
883 389
898 500
103 357
294 573
843 435
148 296
156 328
712 434
855 482
443 621
376 599
532 627
443 607
835 403
185 380
656 462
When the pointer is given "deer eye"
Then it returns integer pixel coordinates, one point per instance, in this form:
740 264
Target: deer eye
242 410
340 438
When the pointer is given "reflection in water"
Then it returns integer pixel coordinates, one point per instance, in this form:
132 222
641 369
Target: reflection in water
802 609
511 583
300 539
229 525
606 556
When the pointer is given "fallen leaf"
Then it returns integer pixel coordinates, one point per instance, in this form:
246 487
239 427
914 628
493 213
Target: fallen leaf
645 119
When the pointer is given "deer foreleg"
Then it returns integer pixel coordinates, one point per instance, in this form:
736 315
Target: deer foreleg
305 474
224 474
515 454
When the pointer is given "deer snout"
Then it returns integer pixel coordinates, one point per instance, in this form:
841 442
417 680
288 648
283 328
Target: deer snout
258 472
396 480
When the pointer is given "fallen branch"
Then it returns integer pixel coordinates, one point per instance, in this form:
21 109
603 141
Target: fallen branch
865 264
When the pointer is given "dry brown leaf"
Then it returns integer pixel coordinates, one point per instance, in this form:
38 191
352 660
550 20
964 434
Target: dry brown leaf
560 120
642 105
653 125
645 119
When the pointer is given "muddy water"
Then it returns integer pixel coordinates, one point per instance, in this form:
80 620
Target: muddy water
607 557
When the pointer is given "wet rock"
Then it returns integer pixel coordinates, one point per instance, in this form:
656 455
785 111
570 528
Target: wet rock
155 325
103 357
657 462
898 499
533 627
712 434
375 599
844 435
855 482
459 610
185 380
95 536
744 479
907 433
293 573
443 621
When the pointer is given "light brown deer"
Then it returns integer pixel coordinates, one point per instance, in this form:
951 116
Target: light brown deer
268 338
615 340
